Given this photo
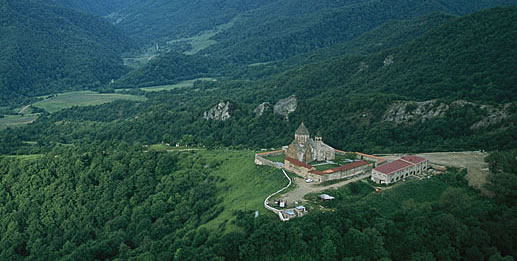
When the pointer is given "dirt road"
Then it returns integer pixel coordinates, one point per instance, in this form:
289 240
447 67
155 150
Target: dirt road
303 188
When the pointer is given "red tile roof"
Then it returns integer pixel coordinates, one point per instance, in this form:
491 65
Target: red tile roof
298 163
413 159
393 166
346 167
269 152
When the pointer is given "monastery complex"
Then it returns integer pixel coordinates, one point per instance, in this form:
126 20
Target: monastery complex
304 154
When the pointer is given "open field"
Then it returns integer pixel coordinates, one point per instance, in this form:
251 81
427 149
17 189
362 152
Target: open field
81 98
325 166
473 161
276 158
245 185
203 40
26 157
182 84
11 121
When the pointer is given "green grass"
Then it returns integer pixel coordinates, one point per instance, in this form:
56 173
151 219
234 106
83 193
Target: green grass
11 121
276 158
418 191
165 147
245 185
182 84
203 40
343 159
81 98
326 166
26 157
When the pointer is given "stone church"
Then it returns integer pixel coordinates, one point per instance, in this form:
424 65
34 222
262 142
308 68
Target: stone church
305 149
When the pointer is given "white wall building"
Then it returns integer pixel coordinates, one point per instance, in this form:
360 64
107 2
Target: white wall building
399 169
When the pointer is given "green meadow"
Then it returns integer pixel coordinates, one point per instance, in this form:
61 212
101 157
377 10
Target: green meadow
168 87
243 186
11 121
81 98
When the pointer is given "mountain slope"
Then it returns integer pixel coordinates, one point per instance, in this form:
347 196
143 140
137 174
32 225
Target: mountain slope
285 28
163 19
96 7
358 108
472 58
46 49
172 66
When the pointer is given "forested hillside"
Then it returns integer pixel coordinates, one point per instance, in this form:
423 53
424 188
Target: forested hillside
106 201
171 66
151 21
107 182
469 58
96 7
341 97
45 49
285 28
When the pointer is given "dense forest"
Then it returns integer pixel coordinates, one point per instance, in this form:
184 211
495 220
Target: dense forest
400 76
46 49
96 7
107 201
361 110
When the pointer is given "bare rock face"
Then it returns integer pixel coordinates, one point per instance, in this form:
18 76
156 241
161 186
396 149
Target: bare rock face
413 112
494 116
286 106
261 108
407 112
220 112
388 60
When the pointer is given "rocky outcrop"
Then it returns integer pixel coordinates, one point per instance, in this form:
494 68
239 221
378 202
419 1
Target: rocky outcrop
494 116
388 60
220 112
286 106
261 108
413 112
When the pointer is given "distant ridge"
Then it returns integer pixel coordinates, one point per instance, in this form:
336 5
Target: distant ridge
45 49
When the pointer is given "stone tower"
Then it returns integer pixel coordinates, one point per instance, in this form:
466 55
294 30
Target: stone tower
318 137
302 134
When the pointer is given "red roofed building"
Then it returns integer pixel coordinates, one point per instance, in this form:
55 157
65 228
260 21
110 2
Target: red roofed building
307 171
297 166
399 169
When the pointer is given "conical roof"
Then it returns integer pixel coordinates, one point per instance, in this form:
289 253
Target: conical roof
302 130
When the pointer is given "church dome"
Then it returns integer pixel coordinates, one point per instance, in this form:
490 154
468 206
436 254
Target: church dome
302 130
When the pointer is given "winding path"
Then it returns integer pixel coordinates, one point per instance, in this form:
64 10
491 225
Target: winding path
276 211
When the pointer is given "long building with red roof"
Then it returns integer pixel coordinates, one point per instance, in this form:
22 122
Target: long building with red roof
308 171
399 169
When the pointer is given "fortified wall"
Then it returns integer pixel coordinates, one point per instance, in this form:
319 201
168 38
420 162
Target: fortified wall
261 160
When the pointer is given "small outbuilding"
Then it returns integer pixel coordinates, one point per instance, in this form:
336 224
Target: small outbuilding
326 197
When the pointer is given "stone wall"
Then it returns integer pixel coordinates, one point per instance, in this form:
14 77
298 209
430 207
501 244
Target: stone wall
261 160
340 174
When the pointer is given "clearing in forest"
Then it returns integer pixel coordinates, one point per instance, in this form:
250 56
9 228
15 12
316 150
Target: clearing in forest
81 98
